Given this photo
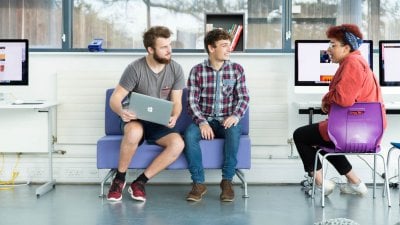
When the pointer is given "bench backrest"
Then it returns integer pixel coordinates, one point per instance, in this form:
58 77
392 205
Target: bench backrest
112 120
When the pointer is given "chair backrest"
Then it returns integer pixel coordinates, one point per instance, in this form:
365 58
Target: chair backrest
356 129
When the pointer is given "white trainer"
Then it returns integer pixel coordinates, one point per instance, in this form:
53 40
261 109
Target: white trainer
329 186
357 189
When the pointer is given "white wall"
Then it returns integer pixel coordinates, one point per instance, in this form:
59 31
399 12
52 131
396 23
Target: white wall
78 81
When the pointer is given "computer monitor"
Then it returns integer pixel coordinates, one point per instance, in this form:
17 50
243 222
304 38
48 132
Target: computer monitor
313 66
14 62
389 66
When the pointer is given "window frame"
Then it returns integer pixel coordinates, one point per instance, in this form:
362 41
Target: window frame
67 36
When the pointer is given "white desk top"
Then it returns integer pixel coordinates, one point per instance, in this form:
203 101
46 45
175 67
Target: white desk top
317 104
392 105
28 105
310 104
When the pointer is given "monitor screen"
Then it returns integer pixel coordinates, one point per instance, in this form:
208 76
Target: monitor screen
14 61
313 66
389 69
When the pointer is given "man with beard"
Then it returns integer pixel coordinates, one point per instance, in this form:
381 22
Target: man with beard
158 76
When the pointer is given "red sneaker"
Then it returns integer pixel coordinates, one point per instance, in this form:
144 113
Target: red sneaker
137 191
115 192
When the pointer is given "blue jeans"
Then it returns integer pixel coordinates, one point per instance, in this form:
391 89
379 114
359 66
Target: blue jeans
193 152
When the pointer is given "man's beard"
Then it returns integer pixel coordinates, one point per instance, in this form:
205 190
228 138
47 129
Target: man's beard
161 60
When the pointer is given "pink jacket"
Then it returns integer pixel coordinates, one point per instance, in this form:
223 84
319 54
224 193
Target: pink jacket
353 82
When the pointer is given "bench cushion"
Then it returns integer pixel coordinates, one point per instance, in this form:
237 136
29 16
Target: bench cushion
108 154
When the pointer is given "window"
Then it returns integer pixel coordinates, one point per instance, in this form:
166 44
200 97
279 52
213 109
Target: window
121 23
379 20
311 18
264 24
36 20
270 25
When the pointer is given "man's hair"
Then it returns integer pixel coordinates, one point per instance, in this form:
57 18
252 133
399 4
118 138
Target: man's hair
215 35
150 36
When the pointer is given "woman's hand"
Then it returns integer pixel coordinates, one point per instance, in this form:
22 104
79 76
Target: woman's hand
325 107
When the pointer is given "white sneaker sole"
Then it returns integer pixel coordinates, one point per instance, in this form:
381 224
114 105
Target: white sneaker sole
195 199
134 197
351 191
117 199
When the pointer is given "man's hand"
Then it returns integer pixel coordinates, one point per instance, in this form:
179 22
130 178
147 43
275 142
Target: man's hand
172 121
206 132
228 122
127 115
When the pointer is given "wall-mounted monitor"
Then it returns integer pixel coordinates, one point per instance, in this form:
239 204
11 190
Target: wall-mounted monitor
389 64
313 66
14 67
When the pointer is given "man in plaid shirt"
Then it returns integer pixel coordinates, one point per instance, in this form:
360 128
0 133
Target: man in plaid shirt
218 98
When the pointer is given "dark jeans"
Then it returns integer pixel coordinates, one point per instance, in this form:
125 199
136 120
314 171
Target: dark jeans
307 140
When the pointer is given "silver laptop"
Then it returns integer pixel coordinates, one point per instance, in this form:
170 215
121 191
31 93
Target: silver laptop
150 108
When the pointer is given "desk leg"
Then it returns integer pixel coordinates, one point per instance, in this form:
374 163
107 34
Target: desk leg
51 183
310 115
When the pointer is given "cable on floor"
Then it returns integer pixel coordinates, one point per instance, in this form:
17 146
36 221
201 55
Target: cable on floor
10 184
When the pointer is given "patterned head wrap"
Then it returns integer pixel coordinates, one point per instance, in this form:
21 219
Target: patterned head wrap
352 40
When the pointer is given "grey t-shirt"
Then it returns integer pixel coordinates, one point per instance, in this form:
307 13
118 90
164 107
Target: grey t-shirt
138 77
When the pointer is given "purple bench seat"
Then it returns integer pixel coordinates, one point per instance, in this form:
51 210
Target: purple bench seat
108 147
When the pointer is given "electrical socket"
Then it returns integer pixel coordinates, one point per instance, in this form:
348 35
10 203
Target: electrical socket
91 172
37 172
73 172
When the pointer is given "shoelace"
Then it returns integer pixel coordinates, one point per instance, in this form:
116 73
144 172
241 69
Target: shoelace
116 186
226 186
139 186
196 188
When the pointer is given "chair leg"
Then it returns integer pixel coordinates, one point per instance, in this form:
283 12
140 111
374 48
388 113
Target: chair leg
315 172
240 174
398 175
108 176
323 180
387 163
388 167
386 179
374 177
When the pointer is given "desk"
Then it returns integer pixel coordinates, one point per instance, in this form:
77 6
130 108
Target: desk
312 108
49 108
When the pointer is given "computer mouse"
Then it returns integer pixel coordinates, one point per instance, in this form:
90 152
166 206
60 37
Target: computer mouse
18 102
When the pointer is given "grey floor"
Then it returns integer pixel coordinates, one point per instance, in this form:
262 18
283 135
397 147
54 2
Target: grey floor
165 205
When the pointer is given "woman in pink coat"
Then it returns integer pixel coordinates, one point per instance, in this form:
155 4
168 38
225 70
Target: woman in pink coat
353 82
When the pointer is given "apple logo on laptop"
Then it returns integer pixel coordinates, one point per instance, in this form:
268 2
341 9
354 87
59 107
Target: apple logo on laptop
149 109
